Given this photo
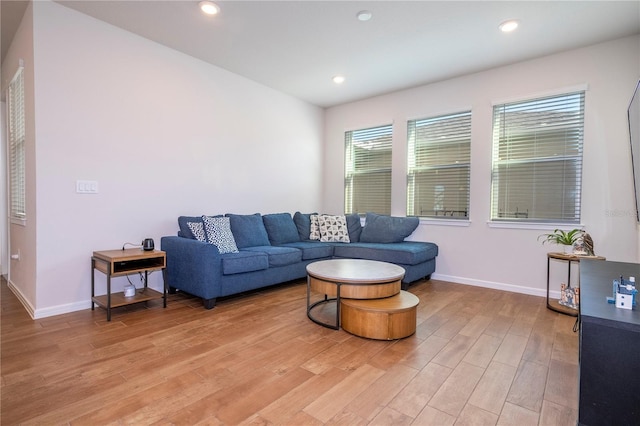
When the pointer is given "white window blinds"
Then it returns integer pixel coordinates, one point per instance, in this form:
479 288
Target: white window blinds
439 155
368 170
16 122
537 159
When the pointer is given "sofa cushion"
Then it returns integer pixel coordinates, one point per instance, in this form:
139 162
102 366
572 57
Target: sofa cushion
278 256
387 229
280 228
333 229
248 230
354 226
303 224
183 224
312 249
197 230
218 232
405 253
184 230
237 263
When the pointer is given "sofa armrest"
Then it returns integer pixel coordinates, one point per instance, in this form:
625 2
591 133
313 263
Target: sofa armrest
192 266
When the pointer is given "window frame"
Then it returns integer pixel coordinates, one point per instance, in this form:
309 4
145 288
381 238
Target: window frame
538 222
369 135
451 136
16 147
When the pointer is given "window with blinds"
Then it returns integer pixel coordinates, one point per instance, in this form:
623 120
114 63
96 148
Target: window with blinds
439 155
368 170
537 159
16 123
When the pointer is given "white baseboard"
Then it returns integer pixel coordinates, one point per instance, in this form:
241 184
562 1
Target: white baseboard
15 290
496 286
47 312
61 309
53 310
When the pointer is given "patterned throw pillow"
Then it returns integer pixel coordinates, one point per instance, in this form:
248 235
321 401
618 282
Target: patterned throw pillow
314 230
218 231
197 229
333 229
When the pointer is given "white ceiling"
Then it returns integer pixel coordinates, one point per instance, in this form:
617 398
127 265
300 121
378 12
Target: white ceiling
298 46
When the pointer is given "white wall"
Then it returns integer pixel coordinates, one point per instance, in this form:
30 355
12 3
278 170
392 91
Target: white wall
164 134
22 272
511 259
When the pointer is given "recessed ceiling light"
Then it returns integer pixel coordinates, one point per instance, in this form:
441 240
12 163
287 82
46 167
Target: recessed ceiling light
209 7
508 26
364 15
338 79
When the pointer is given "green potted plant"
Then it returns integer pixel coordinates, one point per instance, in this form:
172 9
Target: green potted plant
562 238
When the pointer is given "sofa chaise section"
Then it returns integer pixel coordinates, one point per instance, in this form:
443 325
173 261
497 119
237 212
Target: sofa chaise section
417 258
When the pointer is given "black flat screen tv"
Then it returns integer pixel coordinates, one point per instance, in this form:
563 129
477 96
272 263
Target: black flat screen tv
634 133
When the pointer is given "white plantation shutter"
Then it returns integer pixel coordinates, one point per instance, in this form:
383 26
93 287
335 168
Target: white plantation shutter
439 161
368 170
537 159
16 122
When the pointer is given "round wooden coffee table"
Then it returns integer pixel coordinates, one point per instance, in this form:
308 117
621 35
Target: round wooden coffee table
366 281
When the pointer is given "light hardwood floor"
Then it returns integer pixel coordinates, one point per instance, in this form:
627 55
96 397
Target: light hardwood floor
479 356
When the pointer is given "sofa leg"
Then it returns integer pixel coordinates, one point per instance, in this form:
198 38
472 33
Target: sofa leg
209 303
404 286
172 290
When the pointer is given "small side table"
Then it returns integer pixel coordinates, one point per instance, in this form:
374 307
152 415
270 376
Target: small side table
569 258
117 263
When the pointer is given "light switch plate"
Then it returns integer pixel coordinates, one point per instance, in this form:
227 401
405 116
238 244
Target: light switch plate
87 187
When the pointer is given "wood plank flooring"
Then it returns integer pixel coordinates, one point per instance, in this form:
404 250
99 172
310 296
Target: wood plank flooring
479 357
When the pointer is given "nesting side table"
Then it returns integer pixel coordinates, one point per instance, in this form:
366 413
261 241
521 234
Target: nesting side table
569 258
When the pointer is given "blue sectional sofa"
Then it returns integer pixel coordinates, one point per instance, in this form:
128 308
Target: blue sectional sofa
216 256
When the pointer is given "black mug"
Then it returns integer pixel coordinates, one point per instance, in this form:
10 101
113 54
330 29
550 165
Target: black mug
147 244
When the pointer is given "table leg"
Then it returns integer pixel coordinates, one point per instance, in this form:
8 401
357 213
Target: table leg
337 306
326 299
164 287
548 277
93 282
109 296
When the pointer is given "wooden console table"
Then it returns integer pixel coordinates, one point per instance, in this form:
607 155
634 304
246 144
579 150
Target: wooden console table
117 263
